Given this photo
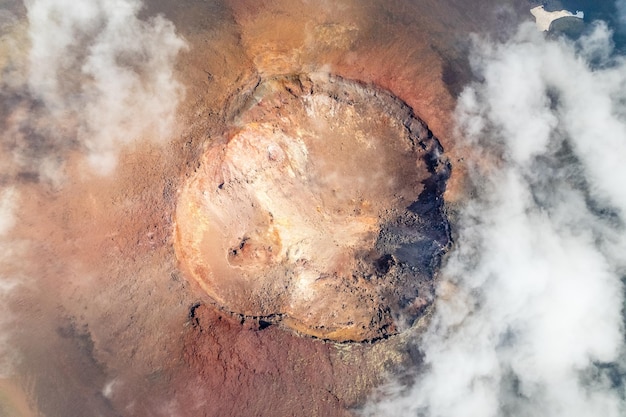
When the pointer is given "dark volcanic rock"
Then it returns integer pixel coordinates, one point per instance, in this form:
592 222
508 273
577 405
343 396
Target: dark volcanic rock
570 26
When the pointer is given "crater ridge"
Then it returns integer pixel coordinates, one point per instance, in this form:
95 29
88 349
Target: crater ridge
319 208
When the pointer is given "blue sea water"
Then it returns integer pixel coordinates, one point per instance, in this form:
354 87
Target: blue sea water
605 10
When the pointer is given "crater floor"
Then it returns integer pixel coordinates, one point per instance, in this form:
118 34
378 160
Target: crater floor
320 208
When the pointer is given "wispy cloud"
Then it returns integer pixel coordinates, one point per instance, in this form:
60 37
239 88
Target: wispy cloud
9 199
97 78
621 13
529 319
78 81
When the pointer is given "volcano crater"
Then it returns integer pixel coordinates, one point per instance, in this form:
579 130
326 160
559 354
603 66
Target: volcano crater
320 208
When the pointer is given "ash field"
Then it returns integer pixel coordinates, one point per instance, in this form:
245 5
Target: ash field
312 208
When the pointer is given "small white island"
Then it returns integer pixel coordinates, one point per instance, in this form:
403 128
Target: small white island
544 18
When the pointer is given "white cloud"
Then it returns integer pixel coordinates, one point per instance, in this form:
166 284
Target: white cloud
110 387
534 319
101 70
8 205
621 12
8 202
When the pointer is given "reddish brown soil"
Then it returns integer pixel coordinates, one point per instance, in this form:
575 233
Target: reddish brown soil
310 377
102 321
